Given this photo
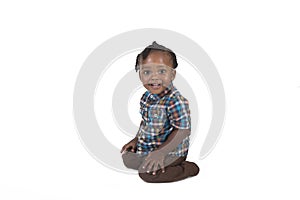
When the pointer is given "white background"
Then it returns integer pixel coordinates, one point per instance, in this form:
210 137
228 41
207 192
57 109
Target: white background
254 44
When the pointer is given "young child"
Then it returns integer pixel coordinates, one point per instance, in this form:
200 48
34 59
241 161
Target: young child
160 147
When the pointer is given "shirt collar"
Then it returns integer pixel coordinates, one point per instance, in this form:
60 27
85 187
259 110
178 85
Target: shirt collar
155 97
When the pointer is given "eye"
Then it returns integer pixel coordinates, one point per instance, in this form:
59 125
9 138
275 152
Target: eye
146 72
162 71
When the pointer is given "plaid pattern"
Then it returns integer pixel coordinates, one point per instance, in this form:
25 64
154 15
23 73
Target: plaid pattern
161 113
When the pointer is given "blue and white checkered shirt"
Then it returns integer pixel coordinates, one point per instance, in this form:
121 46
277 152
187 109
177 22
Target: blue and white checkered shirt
162 113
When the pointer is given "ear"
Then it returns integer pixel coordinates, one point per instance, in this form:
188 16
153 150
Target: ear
173 75
140 75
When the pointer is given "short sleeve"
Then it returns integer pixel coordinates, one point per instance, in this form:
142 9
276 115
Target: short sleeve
142 103
179 112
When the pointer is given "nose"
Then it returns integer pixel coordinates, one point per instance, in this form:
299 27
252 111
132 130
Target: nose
154 77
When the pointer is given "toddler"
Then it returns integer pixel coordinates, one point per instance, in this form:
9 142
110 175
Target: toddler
161 145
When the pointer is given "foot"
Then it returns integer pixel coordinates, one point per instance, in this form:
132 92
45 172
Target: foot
191 168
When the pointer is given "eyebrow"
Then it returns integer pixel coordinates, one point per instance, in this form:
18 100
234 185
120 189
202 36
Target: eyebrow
160 66
147 67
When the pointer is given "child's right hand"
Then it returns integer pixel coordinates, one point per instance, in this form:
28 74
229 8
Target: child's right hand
130 146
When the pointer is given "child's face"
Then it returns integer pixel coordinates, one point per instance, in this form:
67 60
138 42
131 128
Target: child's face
156 72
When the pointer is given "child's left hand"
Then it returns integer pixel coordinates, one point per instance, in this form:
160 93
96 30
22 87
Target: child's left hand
153 162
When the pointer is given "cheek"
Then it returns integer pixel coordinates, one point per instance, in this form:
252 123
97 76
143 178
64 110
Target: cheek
145 82
168 78
166 81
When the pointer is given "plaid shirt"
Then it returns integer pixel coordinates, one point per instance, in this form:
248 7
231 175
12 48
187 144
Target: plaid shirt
161 113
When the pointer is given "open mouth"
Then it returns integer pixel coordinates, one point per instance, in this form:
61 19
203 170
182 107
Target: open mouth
154 86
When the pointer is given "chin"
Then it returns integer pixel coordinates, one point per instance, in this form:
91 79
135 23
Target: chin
155 92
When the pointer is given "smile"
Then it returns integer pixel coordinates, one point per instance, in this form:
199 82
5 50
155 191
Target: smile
154 86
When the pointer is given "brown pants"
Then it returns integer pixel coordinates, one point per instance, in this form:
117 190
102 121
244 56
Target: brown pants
176 168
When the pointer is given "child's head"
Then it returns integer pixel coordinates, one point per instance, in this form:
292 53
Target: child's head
156 65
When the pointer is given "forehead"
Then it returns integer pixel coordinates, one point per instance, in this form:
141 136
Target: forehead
154 65
158 57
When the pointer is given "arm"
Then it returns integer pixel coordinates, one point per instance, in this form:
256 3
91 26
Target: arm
174 139
179 116
131 145
155 159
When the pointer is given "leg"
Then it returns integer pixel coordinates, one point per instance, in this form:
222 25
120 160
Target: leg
178 170
132 160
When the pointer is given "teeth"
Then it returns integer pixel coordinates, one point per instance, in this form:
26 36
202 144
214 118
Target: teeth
154 84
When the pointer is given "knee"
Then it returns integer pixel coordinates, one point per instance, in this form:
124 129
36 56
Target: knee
129 161
126 160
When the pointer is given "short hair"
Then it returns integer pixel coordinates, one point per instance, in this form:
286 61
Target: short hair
155 47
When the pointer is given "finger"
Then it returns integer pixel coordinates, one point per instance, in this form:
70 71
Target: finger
146 163
128 147
132 149
162 167
123 148
150 166
155 168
